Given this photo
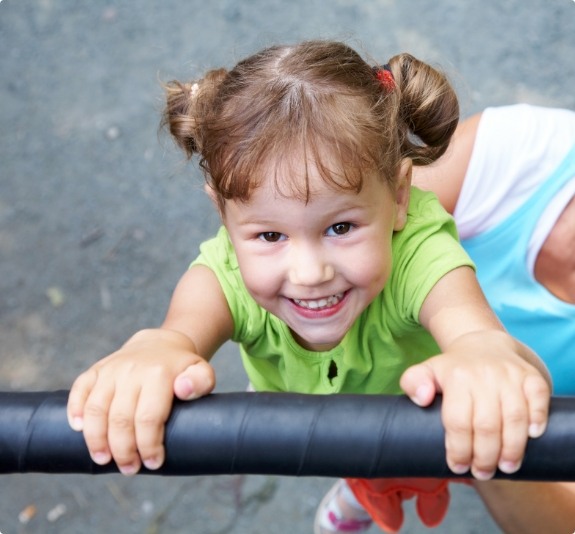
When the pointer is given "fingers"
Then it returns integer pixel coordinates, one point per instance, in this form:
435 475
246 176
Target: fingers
419 385
95 424
488 413
122 404
514 432
87 411
538 394
136 428
500 442
196 381
488 427
484 430
137 417
121 432
457 419
126 424
77 399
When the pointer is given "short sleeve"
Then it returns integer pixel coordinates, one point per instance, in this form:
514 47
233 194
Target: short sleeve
423 252
218 255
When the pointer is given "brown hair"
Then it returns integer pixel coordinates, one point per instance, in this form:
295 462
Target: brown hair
317 102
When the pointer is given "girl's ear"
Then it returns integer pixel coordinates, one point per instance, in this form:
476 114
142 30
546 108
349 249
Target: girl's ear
209 190
402 192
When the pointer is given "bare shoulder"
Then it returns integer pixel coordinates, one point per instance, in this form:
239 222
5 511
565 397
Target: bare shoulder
199 309
445 177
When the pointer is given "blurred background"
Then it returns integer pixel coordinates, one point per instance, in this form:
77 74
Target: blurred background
100 215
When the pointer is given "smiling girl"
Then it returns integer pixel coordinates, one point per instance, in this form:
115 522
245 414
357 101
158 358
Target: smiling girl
330 271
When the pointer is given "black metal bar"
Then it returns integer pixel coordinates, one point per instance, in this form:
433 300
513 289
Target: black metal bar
276 433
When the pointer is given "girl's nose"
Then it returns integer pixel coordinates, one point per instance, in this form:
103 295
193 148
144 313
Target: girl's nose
308 267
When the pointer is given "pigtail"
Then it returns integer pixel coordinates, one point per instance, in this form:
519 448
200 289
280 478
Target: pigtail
428 110
187 107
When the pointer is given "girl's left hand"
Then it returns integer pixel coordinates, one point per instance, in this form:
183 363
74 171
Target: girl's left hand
493 400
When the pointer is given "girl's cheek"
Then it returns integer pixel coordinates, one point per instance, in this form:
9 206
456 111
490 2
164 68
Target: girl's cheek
259 280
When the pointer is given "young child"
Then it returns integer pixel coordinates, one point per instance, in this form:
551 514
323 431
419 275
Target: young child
330 271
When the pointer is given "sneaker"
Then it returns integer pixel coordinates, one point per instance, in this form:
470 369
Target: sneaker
330 518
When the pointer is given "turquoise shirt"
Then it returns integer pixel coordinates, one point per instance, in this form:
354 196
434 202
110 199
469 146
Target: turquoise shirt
527 309
385 339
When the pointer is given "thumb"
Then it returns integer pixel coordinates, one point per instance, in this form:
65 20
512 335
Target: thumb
419 384
195 381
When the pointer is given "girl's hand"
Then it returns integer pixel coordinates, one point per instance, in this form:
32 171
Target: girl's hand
123 402
493 400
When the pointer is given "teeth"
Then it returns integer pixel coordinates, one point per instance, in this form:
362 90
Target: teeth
319 304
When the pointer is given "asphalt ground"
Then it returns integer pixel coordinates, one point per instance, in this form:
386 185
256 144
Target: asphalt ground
99 216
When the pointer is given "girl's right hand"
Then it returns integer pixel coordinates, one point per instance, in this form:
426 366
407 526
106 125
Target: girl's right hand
123 402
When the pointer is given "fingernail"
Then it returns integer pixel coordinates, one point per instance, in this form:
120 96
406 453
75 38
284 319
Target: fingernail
152 463
421 395
460 469
129 469
77 424
187 388
480 474
509 467
536 430
101 458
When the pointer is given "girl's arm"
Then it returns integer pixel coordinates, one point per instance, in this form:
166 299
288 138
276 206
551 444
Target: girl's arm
123 401
445 176
495 389
199 310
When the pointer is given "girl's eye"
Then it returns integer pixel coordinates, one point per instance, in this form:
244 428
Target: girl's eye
271 237
340 228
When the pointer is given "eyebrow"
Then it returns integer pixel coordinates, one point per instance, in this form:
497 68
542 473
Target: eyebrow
259 219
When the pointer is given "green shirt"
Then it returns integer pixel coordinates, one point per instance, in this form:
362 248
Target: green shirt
386 338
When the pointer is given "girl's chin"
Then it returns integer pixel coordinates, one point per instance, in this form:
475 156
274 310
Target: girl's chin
316 347
317 343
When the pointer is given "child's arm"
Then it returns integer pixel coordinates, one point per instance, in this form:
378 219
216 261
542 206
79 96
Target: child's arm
123 401
495 389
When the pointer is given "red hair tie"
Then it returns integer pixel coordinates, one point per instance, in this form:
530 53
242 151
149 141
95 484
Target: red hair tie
385 77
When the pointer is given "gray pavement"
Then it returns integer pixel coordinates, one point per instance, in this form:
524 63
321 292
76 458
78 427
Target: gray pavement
99 216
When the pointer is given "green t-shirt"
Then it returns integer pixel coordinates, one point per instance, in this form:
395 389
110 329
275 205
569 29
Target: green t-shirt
387 337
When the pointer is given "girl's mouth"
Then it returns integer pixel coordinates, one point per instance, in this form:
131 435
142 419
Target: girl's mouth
320 304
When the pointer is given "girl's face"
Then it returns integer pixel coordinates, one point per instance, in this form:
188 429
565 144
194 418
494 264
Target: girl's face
317 265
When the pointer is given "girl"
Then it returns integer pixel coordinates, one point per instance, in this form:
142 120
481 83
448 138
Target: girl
332 273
